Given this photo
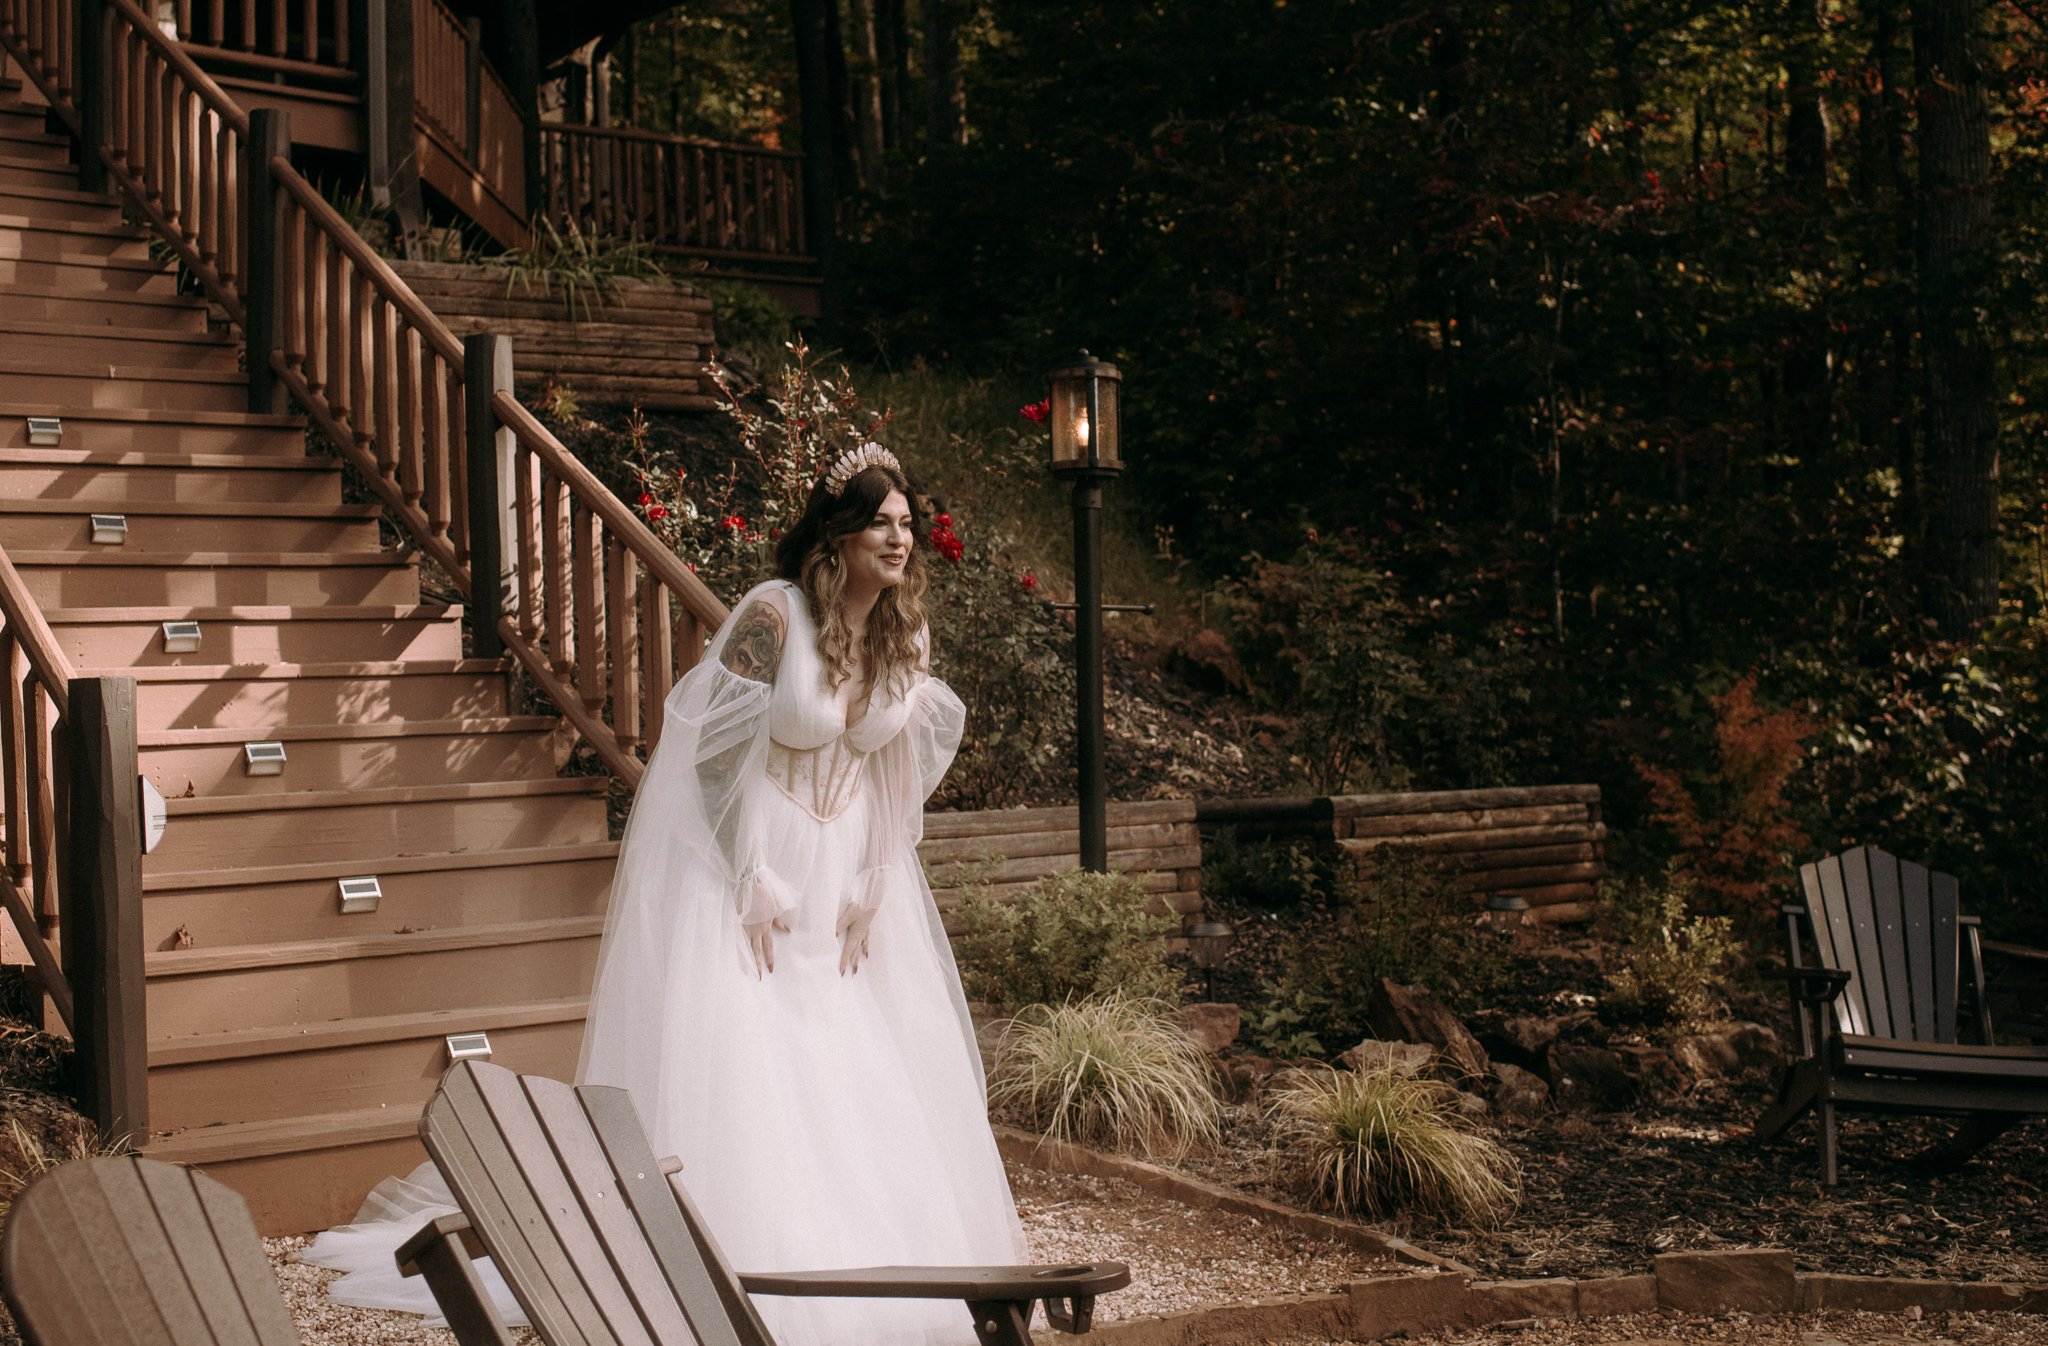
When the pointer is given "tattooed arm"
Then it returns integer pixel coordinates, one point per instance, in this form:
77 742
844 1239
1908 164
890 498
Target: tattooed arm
754 650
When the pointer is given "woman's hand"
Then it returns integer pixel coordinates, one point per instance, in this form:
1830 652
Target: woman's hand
761 941
852 930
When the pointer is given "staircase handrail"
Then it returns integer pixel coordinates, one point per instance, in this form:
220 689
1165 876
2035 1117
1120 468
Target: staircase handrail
28 813
382 378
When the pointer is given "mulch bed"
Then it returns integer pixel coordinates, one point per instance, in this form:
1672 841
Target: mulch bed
1604 1192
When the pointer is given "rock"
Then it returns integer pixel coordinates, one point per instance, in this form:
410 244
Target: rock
1524 1038
1654 1072
1727 1051
1245 1076
1214 1026
1518 1095
1403 1058
1399 1013
1583 1076
1471 1107
1752 1280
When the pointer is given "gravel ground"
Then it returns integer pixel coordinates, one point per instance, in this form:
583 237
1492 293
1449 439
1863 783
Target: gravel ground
1803 1329
1179 1258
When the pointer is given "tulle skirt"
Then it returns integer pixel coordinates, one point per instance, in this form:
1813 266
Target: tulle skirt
823 1121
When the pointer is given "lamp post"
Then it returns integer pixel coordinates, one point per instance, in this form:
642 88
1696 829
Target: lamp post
1087 450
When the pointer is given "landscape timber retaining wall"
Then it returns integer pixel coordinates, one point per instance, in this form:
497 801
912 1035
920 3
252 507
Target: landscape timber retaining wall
1544 844
1154 841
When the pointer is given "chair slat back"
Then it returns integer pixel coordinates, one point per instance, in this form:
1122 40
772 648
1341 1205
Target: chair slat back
577 1215
1891 925
112 1251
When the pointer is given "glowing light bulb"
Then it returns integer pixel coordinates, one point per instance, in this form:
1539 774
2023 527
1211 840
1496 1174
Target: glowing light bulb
1081 427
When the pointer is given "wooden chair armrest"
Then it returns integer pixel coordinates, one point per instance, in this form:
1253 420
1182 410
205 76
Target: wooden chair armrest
1069 1289
443 1251
1969 922
1812 985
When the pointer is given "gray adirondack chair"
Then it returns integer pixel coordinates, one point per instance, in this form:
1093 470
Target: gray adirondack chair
601 1244
105 1251
1879 1016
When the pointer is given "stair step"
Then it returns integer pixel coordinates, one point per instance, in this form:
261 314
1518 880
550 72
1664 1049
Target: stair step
105 578
305 1174
293 1074
86 274
196 991
132 637
76 384
100 480
216 907
166 312
307 826
137 430
103 343
250 695
35 147
50 203
209 763
25 236
186 526
33 171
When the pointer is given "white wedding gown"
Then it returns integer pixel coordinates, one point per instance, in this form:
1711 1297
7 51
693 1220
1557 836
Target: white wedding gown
823 1121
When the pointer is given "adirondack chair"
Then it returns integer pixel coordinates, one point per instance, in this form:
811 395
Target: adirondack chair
601 1244
1878 1017
105 1251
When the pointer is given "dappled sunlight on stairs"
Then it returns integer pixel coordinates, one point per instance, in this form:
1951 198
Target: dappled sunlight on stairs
291 1045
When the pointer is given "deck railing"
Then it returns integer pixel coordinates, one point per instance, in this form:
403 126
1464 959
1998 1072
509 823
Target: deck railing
555 569
299 39
459 99
739 203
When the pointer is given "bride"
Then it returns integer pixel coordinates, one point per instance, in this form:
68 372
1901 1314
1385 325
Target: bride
774 987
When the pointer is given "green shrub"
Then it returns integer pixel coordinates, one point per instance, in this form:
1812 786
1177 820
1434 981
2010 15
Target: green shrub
1398 916
1673 972
1111 1069
1262 873
1379 1143
1069 935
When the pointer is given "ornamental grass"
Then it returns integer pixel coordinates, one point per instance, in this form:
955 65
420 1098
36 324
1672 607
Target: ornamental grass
1109 1069
1379 1143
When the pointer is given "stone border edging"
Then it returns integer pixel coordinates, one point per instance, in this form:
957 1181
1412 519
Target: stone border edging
1442 1295
1061 1156
1748 1280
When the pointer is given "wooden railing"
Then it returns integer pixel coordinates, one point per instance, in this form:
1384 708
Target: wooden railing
601 615
459 98
300 39
699 197
34 702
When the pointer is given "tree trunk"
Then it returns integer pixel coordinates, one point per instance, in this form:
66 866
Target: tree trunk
867 88
811 30
1808 418
945 89
839 90
894 22
1958 373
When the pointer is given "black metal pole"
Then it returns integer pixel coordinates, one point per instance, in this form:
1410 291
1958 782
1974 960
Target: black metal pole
1088 671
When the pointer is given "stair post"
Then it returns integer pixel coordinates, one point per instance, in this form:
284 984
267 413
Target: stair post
383 60
487 369
263 281
92 92
101 909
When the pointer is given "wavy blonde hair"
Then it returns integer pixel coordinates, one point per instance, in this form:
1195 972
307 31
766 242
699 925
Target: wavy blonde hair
808 554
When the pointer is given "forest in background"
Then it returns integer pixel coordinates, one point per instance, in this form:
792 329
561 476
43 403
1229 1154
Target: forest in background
1625 390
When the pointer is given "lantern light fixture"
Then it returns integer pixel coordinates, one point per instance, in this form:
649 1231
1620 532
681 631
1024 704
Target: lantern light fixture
1085 420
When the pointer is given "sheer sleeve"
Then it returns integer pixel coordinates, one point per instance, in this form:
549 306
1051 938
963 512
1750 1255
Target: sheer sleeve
730 734
902 774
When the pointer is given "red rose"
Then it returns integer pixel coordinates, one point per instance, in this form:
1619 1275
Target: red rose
646 499
943 520
1029 581
1036 412
657 511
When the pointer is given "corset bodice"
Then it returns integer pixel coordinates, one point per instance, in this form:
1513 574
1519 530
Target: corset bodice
814 756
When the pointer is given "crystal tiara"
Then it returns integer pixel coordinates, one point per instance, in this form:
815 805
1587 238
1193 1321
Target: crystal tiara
854 462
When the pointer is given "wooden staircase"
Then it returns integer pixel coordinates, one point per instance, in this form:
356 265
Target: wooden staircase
291 1046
